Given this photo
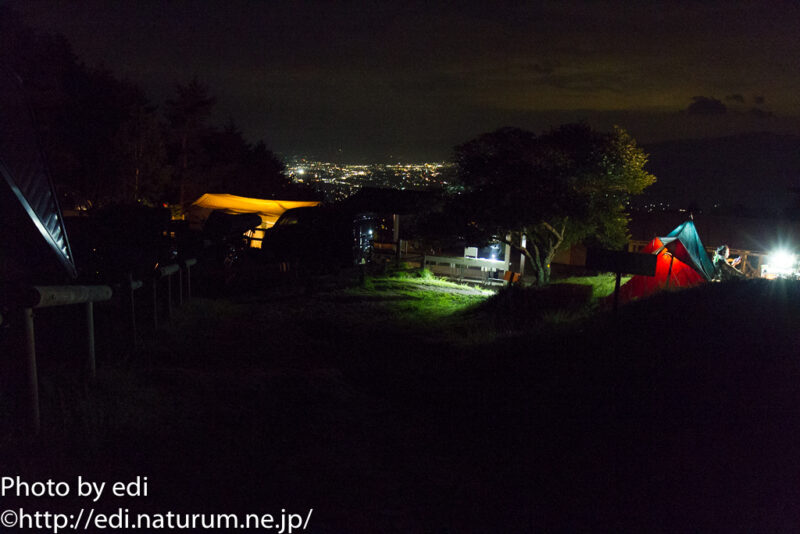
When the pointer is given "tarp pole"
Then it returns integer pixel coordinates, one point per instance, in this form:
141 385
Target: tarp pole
616 291
669 273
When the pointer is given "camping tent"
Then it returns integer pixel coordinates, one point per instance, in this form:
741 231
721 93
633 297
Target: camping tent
33 243
682 262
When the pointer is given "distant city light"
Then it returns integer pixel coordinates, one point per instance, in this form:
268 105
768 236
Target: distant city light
339 181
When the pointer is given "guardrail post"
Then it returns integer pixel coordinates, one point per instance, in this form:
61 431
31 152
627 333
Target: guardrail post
155 303
133 285
180 287
163 272
28 298
131 308
189 263
30 368
90 340
169 297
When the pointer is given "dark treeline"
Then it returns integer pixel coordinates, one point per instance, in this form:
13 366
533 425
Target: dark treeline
107 143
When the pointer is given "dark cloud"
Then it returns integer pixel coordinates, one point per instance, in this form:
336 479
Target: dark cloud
761 113
704 105
374 75
544 68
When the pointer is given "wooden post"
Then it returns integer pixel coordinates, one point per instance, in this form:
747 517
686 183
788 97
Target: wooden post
32 375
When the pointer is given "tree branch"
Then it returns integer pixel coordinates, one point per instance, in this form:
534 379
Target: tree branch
559 236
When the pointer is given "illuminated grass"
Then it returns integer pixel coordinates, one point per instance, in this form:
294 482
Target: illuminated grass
420 299
427 278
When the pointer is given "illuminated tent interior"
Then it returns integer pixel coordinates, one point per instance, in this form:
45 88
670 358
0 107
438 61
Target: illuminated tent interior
682 262
269 210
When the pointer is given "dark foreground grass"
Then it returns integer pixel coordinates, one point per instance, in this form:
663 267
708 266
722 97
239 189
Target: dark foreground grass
388 409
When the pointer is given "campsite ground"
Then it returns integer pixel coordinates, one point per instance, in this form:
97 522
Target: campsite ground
412 406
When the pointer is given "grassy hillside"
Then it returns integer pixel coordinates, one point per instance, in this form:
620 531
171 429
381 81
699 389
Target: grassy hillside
412 406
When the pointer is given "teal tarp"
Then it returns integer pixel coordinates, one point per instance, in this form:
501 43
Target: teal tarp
686 235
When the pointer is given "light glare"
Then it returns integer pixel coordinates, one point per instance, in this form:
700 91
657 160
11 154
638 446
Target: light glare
782 260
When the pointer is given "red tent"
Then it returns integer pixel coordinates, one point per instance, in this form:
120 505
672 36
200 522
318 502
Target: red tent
682 262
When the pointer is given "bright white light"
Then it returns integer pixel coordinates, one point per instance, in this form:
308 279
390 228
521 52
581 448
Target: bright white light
782 260
301 171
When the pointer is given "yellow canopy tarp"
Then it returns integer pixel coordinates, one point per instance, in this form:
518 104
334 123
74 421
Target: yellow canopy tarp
269 210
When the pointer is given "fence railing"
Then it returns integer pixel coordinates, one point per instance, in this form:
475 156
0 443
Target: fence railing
467 269
23 300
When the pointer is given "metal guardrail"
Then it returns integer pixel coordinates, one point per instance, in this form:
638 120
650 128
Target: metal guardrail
23 300
187 264
167 272
48 296
466 268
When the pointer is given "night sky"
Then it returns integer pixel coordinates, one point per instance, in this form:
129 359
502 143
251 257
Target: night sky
407 81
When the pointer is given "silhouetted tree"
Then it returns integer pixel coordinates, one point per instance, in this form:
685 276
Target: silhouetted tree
264 175
188 116
223 155
140 142
105 143
568 185
232 165
98 110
